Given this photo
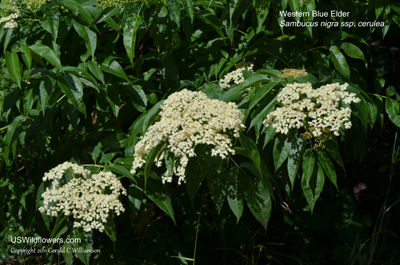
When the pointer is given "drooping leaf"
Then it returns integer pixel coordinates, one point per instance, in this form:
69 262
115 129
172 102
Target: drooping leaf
188 5
392 108
352 50
113 67
281 151
13 66
129 36
252 151
47 53
313 184
328 166
72 87
174 11
294 158
217 184
157 193
197 169
339 61
258 199
262 8
236 92
235 192
89 37
75 6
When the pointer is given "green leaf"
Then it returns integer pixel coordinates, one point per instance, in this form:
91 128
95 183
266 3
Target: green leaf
312 184
339 61
197 169
68 255
157 193
260 94
95 69
262 9
263 113
135 196
13 66
151 157
252 151
26 55
89 37
169 159
86 243
235 192
74 6
47 53
217 184
138 96
392 108
123 171
308 164
258 199
129 35
188 5
11 129
328 166
113 67
111 231
236 92
294 159
58 226
332 148
352 50
174 11
45 89
51 25
281 151
72 87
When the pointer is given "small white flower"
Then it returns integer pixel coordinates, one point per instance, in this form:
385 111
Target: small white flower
235 76
317 108
82 197
187 120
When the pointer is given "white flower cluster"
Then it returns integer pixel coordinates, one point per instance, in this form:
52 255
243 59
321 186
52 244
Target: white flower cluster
234 76
88 200
113 3
290 72
187 120
10 21
317 110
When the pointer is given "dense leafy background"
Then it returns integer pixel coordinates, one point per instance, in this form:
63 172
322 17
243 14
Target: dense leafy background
82 83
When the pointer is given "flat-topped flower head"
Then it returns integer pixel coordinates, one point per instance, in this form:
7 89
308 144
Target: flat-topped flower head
188 119
88 199
290 72
10 20
114 3
235 76
318 111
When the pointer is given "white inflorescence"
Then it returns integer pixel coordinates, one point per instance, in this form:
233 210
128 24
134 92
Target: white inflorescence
187 120
10 21
290 72
234 76
317 110
88 200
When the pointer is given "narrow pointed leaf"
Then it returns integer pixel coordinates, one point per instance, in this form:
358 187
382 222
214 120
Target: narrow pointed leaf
13 66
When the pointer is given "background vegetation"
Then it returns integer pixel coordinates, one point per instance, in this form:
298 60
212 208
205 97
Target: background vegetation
81 81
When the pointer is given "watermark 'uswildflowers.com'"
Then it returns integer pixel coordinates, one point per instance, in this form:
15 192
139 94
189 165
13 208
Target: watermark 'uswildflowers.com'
26 251
42 240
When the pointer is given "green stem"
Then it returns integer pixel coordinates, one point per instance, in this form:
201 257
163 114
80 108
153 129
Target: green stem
244 173
384 209
92 165
197 228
